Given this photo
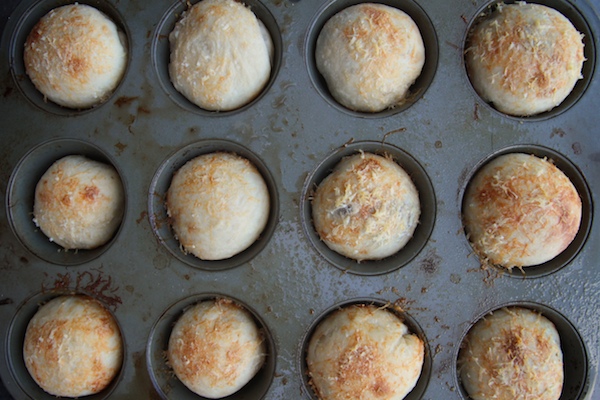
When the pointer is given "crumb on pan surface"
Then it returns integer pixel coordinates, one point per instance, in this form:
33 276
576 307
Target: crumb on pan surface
520 210
366 352
370 55
524 58
513 353
79 202
73 346
367 208
75 56
216 348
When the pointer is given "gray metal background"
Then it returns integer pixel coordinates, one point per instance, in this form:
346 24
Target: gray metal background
292 129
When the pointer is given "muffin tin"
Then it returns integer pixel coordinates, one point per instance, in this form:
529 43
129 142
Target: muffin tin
295 133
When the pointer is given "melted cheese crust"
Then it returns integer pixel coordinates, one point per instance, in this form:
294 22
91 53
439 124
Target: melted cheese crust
75 56
216 348
363 352
73 347
521 210
514 353
524 58
79 203
220 55
367 208
370 54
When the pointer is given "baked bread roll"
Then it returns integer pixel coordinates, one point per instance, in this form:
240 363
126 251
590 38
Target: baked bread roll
370 55
79 202
220 55
520 210
363 352
216 348
524 58
73 347
218 204
75 56
367 208
513 353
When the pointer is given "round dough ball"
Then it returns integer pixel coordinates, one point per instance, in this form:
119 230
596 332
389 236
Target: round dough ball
366 352
370 54
218 204
75 56
73 346
79 202
520 210
524 58
513 353
216 348
220 55
367 208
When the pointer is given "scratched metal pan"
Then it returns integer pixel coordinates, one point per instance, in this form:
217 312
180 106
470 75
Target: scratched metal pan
295 132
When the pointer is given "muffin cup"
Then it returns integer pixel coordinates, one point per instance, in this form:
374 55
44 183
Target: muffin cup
416 91
578 180
21 194
577 378
589 66
16 337
161 55
421 233
27 16
159 219
163 378
413 327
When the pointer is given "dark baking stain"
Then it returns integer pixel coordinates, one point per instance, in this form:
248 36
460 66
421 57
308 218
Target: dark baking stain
186 277
144 110
438 144
125 101
193 130
6 301
454 46
476 112
464 19
120 147
143 216
576 148
431 262
8 91
24 260
138 359
557 132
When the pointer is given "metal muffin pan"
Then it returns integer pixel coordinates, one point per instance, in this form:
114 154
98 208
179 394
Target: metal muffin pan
294 131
